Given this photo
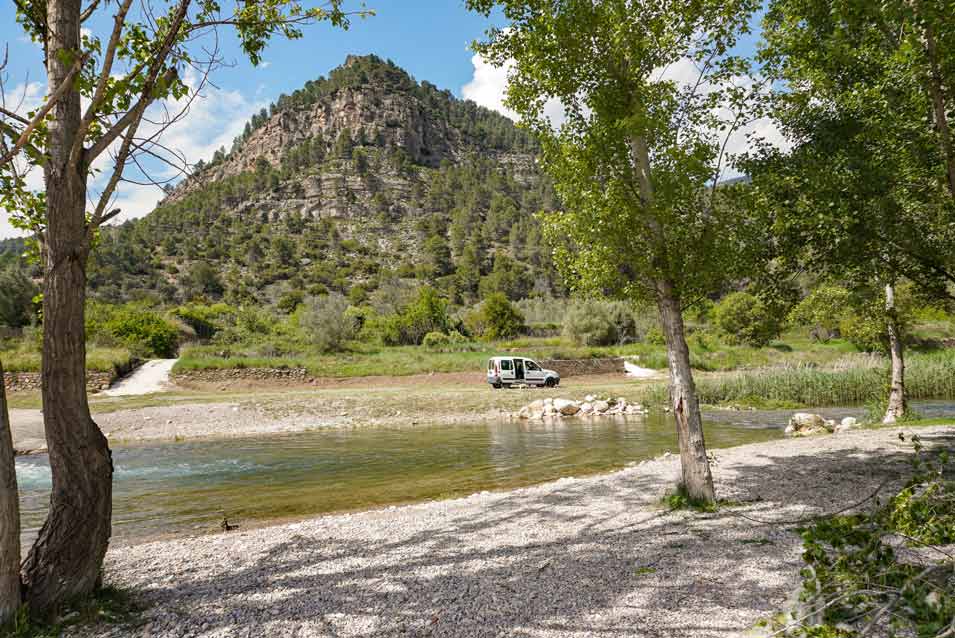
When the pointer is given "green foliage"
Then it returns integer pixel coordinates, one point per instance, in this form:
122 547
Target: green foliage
324 321
17 293
107 605
495 318
823 308
746 319
145 333
679 499
629 221
593 322
853 573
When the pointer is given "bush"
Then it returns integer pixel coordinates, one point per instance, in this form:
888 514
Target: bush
745 319
435 340
145 333
17 292
427 313
325 324
496 318
603 323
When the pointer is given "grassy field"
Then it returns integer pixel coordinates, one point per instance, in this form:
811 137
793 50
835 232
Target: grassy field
97 359
366 360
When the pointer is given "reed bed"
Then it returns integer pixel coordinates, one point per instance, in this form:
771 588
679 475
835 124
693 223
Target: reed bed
928 376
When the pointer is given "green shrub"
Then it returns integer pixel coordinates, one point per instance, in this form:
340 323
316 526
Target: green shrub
745 319
853 574
17 292
435 340
145 333
324 322
604 323
495 318
427 313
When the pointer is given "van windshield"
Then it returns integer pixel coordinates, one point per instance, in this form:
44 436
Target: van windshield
530 365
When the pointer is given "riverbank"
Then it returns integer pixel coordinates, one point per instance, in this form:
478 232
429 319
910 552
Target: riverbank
244 409
575 557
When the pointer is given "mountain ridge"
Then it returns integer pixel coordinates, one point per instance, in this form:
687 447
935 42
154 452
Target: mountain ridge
359 179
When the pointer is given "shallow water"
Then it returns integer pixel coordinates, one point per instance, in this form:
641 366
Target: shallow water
185 487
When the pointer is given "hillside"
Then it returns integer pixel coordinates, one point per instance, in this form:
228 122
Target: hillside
361 178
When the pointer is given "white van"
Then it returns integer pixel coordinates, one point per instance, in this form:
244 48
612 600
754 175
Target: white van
508 371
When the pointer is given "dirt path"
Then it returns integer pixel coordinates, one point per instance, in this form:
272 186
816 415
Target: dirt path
152 376
594 557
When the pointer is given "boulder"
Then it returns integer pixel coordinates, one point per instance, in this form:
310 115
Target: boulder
806 424
848 423
589 398
601 406
566 407
586 408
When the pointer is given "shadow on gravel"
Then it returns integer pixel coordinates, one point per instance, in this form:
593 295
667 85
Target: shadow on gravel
590 559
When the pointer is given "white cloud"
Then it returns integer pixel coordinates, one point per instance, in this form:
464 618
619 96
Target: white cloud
214 119
488 88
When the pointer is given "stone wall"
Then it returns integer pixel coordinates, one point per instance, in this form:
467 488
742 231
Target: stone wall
280 375
95 381
577 367
20 381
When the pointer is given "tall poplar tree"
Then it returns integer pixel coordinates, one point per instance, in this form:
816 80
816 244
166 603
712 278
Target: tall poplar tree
100 86
649 93
866 192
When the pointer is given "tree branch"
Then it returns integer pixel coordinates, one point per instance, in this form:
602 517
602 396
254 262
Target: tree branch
118 21
146 96
42 113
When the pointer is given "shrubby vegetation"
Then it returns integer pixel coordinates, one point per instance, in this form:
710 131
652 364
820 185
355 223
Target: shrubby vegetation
856 577
744 318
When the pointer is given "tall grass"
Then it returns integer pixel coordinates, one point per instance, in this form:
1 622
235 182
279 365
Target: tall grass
928 376
97 359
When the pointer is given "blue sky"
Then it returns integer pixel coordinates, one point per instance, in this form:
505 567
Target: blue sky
428 38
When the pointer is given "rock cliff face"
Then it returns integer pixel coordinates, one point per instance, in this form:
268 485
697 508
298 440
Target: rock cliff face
359 178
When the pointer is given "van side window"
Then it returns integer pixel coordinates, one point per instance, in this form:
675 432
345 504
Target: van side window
505 364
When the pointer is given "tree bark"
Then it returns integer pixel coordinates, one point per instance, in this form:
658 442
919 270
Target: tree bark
697 478
897 403
66 560
9 518
939 107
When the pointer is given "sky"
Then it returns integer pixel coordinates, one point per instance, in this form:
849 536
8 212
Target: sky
428 38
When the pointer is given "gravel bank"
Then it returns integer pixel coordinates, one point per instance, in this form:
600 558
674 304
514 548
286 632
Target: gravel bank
572 558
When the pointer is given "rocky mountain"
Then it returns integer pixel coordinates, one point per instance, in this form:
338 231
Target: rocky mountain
358 180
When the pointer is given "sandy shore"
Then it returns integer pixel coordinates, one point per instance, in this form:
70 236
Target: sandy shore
572 558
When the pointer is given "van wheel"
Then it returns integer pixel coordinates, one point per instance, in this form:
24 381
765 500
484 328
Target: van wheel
550 383
496 386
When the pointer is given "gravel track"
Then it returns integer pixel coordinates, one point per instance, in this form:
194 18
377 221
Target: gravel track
573 558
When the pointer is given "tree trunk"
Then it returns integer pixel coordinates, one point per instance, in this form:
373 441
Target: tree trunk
939 107
686 409
66 560
897 403
9 518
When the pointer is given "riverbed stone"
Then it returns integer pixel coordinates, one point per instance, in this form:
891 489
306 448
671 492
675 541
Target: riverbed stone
848 423
601 406
806 424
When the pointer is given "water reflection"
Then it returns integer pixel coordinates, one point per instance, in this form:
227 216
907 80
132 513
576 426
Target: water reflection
180 487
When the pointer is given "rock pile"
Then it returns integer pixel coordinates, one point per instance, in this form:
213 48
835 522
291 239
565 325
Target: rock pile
805 424
591 406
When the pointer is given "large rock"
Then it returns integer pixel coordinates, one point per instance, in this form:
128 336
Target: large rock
806 424
601 406
848 423
566 407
